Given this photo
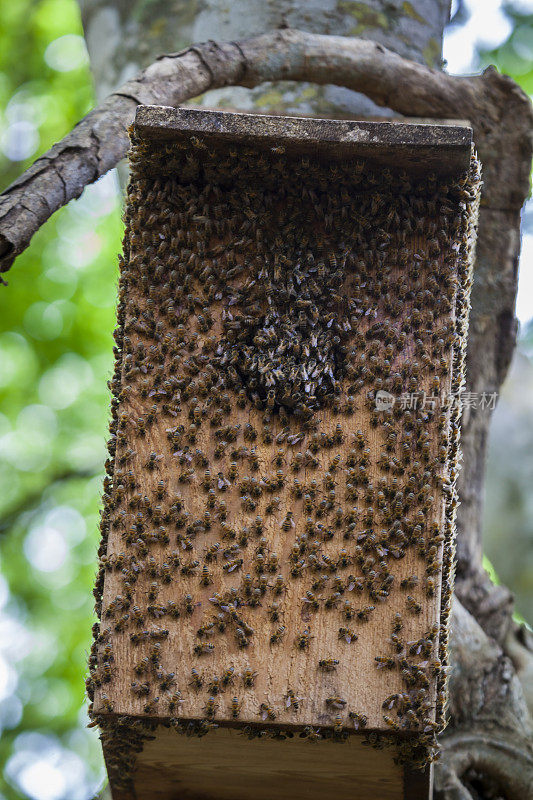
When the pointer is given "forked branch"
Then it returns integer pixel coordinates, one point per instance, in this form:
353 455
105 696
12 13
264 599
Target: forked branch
100 140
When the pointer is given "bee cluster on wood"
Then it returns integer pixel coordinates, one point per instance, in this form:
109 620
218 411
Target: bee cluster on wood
257 499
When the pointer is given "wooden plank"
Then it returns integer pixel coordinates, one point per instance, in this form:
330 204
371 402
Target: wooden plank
269 524
442 148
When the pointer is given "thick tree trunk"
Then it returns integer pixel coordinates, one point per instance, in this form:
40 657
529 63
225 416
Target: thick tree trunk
124 36
487 747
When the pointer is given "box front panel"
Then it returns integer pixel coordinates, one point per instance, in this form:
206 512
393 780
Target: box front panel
284 441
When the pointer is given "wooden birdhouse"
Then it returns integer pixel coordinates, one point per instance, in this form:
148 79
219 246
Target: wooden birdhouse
278 523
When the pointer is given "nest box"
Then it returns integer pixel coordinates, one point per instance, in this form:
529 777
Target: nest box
278 523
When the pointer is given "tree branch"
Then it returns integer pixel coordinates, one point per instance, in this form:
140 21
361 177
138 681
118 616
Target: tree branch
100 140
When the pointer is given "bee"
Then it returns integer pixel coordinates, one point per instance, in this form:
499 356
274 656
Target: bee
188 604
220 449
347 635
206 578
207 480
233 565
227 676
278 634
364 613
235 707
107 653
337 725
155 653
328 664
397 623
311 735
359 720
397 642
279 585
335 702
203 649
249 433
248 678
291 701
214 686
297 462
412 605
266 712
142 666
391 723
273 505
166 679
303 639
311 601
279 458
409 583
196 680
211 708
211 553
107 705
158 633
206 629
152 461
174 701
241 637
385 662
142 689
273 612
288 522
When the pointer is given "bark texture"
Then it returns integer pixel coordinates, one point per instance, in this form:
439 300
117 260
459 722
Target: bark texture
487 746
124 36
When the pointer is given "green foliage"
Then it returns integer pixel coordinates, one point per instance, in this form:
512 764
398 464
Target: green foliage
515 55
55 359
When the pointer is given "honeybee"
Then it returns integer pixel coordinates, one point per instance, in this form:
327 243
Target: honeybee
227 676
278 634
347 635
235 707
359 720
328 664
266 712
311 735
151 706
303 639
288 522
409 583
107 705
248 678
291 701
279 585
188 604
142 689
335 702
211 707
196 680
174 701
412 605
142 666
203 649
364 613
397 623
385 662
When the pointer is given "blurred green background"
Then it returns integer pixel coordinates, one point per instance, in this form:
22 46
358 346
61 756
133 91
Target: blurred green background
57 317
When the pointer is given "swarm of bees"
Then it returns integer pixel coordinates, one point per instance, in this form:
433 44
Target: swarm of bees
259 320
